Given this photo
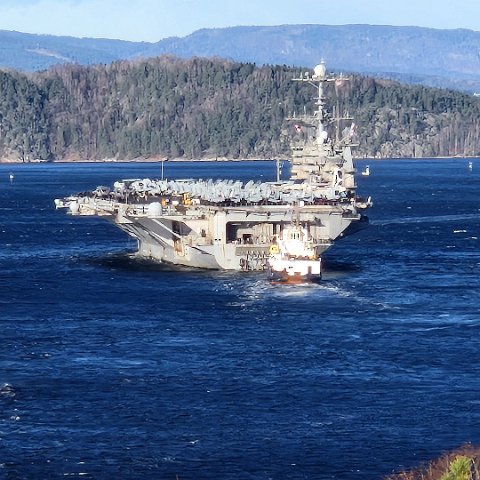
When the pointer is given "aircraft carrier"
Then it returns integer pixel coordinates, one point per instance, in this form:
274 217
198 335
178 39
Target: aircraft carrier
231 225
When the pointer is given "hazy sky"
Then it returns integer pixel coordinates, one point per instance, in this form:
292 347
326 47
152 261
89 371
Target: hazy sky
152 20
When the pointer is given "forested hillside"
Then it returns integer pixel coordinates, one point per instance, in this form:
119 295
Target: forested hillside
199 108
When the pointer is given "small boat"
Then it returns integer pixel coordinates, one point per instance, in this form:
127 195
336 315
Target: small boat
11 177
470 166
366 172
294 258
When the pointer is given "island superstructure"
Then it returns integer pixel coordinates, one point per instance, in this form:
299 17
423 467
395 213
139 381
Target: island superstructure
231 225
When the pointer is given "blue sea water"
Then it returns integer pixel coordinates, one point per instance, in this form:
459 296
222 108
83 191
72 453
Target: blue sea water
114 368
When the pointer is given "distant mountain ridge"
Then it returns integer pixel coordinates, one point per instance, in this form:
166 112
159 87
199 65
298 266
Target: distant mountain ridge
30 52
443 58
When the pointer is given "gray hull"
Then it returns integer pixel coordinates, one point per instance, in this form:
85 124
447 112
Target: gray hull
228 239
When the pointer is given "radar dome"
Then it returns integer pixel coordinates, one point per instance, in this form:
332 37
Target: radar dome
320 70
154 209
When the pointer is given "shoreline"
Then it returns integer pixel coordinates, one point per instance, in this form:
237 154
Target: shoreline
218 160
145 160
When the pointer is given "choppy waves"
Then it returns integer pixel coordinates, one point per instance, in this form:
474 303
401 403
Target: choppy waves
117 368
